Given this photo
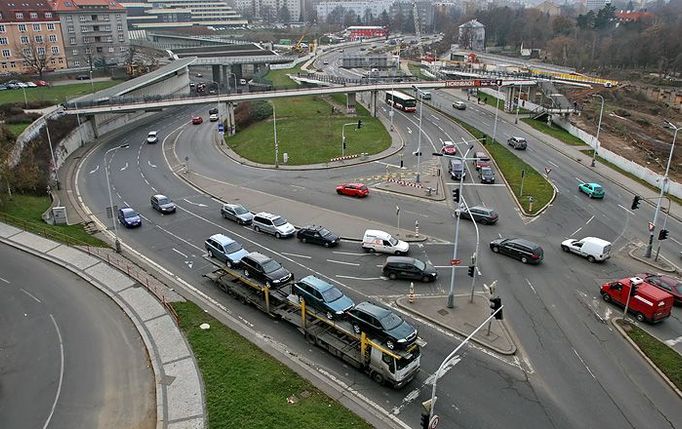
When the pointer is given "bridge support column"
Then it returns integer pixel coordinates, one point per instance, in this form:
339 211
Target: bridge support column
373 100
217 78
226 76
350 102
508 101
231 127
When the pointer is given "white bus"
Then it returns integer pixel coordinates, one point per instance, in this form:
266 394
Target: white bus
401 101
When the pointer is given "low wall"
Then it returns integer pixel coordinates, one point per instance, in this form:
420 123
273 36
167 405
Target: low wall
639 171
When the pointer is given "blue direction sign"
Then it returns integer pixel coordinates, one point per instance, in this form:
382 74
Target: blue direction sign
221 128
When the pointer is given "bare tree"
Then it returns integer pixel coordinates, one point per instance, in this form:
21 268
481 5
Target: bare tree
36 53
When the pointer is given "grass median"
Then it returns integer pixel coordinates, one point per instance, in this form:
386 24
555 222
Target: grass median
53 94
280 80
25 212
248 389
664 357
554 131
309 133
534 184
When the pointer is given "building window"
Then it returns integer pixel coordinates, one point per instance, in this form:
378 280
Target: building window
123 49
3 40
24 40
70 29
111 49
19 15
22 27
13 64
40 51
6 53
33 15
48 15
118 17
119 27
2 28
36 27
61 60
39 39
55 50
81 18
87 50
99 49
121 38
27 52
4 65
72 40
76 63
53 38
69 18
75 52
50 27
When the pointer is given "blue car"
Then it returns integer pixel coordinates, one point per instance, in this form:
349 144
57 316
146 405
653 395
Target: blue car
322 296
129 217
225 249
593 190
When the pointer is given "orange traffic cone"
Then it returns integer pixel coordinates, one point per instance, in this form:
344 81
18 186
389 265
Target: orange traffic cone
411 295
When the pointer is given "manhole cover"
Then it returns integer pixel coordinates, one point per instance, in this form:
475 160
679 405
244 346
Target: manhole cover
443 312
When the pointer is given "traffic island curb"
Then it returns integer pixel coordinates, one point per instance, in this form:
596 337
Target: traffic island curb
617 323
499 331
668 268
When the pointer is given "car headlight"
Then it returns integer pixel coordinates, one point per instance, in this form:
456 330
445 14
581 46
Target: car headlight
402 340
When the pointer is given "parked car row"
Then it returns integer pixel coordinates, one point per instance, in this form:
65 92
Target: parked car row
16 84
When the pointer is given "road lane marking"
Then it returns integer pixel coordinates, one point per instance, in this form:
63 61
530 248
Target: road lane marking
29 294
95 170
531 286
6 281
297 186
194 204
296 255
342 262
584 364
179 252
350 253
357 278
61 373
625 209
576 231
125 167
179 238
151 165
554 164
589 220
671 342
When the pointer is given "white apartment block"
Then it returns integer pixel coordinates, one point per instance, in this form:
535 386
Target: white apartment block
377 7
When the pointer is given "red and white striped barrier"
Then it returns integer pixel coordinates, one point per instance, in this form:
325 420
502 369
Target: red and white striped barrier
405 183
343 158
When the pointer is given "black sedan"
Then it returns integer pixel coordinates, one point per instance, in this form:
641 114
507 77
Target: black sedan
129 217
317 235
486 174
518 248
382 324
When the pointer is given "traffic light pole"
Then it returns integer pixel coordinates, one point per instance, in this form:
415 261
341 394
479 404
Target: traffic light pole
452 354
451 293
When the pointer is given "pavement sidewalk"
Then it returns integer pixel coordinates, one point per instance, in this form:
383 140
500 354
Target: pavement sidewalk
179 389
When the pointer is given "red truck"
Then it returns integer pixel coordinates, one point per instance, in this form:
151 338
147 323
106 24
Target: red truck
645 301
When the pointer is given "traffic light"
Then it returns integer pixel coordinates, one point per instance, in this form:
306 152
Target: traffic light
344 145
455 195
359 123
495 304
424 421
663 234
635 202
471 270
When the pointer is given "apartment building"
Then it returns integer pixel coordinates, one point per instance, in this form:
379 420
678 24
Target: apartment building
153 14
95 32
30 38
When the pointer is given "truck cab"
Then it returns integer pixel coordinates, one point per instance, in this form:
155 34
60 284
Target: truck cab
645 301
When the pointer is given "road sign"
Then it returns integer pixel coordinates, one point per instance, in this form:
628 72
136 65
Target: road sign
455 261
221 128
434 422
651 227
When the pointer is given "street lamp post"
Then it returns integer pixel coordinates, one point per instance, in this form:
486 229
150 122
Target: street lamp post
518 105
664 183
497 107
92 83
596 140
117 243
274 125
419 139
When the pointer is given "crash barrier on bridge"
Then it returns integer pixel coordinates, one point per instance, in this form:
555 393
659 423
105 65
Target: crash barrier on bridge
343 158
405 183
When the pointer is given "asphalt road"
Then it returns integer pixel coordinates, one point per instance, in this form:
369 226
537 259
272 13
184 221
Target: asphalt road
572 370
69 356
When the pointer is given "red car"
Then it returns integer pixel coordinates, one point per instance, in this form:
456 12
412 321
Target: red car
667 283
41 83
353 190
196 120
448 148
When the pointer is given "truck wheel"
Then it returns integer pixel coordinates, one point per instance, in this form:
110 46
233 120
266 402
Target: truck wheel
496 249
390 344
255 228
326 244
639 317
392 276
564 248
524 259
246 273
278 235
330 316
606 297
590 258
210 254
376 376
356 328
228 263
398 253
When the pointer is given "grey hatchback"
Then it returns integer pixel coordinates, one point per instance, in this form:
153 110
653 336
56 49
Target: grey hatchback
322 296
237 213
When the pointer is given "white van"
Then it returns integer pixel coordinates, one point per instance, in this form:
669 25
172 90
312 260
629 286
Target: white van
380 241
593 248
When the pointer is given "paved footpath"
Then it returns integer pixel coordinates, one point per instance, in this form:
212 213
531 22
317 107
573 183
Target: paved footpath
179 389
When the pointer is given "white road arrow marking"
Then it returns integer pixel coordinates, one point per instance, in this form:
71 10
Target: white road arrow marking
189 264
125 167
409 130
151 165
194 204
95 170
673 341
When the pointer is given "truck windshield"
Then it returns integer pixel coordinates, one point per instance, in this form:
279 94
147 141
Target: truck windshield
407 359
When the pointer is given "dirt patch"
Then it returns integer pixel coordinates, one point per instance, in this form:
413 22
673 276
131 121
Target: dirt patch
632 126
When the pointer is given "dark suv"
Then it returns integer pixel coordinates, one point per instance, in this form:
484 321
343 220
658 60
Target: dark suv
266 270
482 215
382 324
317 235
403 267
517 142
518 248
322 296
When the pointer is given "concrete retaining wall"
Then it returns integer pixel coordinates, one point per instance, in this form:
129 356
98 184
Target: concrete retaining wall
625 164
